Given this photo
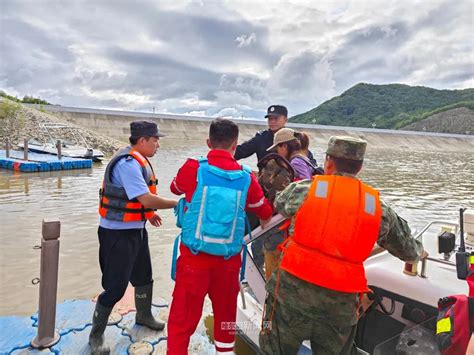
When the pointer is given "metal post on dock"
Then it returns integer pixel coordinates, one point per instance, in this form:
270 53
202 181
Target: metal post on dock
7 148
25 149
59 146
47 334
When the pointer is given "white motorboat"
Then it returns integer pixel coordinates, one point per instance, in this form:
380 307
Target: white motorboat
68 148
402 319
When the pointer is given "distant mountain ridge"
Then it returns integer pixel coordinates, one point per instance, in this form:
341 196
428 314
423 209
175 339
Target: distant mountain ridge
391 106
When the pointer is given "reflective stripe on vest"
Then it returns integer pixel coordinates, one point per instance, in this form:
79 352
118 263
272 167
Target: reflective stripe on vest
335 231
214 221
114 203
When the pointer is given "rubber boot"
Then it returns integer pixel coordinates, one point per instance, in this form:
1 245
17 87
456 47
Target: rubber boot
143 298
99 323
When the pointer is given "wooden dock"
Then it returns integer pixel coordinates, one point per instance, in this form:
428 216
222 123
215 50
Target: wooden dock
38 162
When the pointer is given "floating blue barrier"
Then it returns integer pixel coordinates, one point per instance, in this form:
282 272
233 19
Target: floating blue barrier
29 350
17 332
73 323
77 342
139 333
41 162
72 315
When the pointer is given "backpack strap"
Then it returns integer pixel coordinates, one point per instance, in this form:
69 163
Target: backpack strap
203 163
244 249
244 263
179 212
175 257
246 169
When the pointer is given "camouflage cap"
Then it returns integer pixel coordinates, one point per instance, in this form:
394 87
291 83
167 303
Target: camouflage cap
347 147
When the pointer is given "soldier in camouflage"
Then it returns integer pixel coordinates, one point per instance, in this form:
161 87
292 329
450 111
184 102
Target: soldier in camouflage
296 310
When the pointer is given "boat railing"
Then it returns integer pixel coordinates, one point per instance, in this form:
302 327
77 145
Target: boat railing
419 236
279 219
74 131
259 231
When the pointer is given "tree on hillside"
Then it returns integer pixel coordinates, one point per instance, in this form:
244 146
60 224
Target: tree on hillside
26 99
33 100
386 106
10 119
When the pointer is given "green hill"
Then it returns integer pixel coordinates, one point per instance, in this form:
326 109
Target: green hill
386 106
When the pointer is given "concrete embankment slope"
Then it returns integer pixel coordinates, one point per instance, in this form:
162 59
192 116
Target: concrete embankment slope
193 130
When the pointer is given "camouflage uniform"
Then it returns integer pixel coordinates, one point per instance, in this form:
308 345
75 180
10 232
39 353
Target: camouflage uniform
303 311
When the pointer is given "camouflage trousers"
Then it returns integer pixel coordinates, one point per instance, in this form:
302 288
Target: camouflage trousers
303 311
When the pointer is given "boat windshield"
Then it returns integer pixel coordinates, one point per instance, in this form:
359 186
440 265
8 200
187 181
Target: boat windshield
65 142
35 141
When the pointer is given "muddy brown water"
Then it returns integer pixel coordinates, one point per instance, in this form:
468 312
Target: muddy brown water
422 186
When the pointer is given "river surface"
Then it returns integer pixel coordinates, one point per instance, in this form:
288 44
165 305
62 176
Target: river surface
422 186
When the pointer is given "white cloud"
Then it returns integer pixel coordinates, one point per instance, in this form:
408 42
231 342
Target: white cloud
246 40
230 57
228 112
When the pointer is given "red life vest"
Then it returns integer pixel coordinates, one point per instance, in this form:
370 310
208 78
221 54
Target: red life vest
114 203
470 276
335 231
455 322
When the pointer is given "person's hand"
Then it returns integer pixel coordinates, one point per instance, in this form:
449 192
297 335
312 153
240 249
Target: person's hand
264 222
155 220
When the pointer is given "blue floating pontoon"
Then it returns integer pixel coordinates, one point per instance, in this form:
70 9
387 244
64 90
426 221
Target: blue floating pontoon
73 323
41 162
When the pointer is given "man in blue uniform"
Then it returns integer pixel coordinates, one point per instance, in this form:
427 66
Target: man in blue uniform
127 200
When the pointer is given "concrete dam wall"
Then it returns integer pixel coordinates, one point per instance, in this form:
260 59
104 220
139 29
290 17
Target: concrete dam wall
193 130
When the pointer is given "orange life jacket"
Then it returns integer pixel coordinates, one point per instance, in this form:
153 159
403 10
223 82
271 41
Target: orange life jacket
335 231
114 203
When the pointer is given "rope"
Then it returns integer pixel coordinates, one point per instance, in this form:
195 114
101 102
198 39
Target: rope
275 296
266 330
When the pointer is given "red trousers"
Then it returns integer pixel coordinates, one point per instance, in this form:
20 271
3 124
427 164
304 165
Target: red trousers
216 277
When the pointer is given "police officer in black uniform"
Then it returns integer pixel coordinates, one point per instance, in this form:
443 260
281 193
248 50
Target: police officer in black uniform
277 116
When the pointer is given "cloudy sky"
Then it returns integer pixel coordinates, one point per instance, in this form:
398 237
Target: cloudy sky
228 58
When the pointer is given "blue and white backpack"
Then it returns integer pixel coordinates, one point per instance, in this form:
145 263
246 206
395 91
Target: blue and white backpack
214 221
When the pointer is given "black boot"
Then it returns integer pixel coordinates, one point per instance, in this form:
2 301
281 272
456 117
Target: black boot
99 323
143 298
